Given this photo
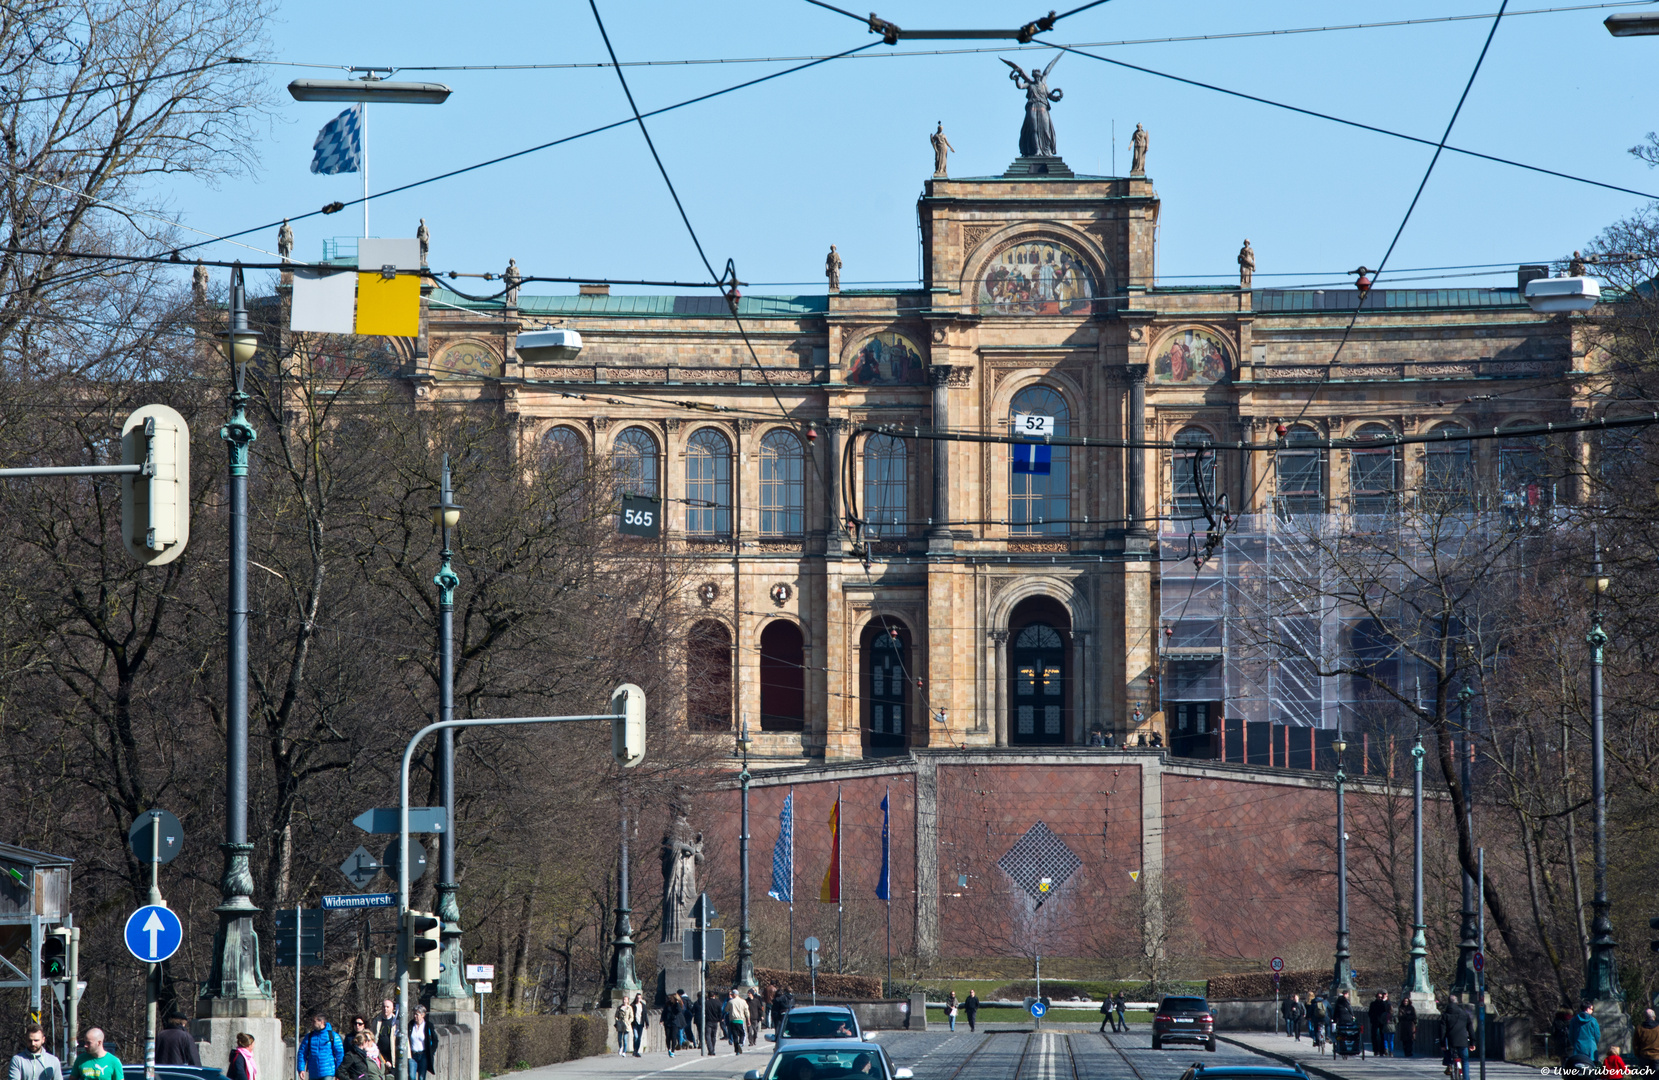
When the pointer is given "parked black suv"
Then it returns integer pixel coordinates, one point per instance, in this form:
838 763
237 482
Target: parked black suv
1183 1019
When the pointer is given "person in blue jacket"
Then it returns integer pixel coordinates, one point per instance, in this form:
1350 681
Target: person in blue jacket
320 1050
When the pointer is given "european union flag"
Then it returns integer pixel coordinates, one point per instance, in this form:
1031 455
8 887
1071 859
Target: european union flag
1032 457
883 887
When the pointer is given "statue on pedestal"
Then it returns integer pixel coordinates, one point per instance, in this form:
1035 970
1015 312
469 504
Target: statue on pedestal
941 147
1246 265
285 240
1037 133
682 854
514 280
1137 164
832 269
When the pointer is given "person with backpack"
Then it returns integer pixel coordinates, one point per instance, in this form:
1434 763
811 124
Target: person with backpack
1457 1032
1106 1014
320 1050
1315 1009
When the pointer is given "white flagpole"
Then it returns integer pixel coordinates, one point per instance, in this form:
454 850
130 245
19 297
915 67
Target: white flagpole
792 879
365 133
840 924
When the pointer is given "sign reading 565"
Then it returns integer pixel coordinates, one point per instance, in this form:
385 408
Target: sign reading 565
641 516
1032 426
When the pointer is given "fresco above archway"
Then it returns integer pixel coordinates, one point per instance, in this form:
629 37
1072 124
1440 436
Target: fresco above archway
1038 277
1190 356
884 360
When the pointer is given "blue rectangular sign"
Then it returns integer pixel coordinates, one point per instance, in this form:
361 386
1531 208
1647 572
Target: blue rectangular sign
353 902
384 820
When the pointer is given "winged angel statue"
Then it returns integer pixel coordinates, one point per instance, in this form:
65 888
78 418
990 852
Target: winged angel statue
1037 133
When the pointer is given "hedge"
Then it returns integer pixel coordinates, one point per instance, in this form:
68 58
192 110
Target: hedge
529 1041
855 987
1258 985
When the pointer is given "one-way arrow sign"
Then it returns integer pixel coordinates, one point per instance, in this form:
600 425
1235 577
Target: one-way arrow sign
384 819
153 934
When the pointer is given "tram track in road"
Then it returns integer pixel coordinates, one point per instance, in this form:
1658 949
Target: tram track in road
1133 1068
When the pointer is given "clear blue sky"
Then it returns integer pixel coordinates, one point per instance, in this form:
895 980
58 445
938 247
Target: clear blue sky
772 175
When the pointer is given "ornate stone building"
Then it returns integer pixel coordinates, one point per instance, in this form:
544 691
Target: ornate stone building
972 603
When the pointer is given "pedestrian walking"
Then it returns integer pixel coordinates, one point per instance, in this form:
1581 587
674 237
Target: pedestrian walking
385 1032
970 1006
320 1050
1644 1044
1107 1016
174 1046
1381 1015
1408 1027
1583 1039
950 1009
1117 1004
671 1015
243 1066
736 1015
34 1061
1317 1018
713 1019
1298 1014
423 1044
623 1021
94 1062
757 1015
362 1059
1287 1009
639 1021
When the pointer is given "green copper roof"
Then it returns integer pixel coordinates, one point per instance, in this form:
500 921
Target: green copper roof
711 305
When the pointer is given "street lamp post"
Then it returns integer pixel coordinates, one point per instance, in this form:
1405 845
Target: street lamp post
1601 974
1466 982
235 967
446 514
1343 977
745 947
1419 988
624 981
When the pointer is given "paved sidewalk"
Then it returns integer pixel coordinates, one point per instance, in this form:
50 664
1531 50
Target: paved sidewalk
1331 1067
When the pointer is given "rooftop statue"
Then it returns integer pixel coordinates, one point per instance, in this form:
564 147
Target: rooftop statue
1037 133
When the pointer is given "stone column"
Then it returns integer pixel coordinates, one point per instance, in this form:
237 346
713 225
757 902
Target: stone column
1000 690
927 859
1135 431
939 532
836 534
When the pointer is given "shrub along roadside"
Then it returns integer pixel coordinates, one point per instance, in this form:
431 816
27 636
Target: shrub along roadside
526 1042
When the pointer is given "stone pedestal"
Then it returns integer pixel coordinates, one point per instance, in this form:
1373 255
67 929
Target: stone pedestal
1615 1025
221 1019
461 1015
918 1013
673 972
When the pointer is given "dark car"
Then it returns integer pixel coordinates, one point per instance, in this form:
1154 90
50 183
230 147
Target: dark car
1183 1019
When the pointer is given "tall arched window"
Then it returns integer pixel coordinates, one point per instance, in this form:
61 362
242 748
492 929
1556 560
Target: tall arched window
708 483
1191 488
634 462
708 676
782 485
1371 473
564 450
782 677
1040 503
1300 470
886 491
1448 473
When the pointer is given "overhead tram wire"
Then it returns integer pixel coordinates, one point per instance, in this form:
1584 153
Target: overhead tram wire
539 147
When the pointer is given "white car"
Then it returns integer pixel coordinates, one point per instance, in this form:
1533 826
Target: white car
818 1022
829 1059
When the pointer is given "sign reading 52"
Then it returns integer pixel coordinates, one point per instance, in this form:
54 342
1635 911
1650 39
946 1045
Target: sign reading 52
1032 426
641 516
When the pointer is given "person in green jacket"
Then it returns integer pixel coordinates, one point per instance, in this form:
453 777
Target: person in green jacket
95 1063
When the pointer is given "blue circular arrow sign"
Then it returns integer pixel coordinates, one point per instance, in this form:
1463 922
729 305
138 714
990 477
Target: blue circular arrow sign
1038 1009
153 934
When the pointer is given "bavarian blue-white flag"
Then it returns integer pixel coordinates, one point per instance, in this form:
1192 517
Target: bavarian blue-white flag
339 145
783 854
883 887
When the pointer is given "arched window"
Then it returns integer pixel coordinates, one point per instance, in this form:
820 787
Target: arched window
1524 483
1300 470
1039 503
1191 488
564 450
708 677
634 462
782 485
1448 473
1371 473
708 483
1038 659
782 677
886 491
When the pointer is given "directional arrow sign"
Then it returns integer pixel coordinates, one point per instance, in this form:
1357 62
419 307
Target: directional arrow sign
384 819
153 934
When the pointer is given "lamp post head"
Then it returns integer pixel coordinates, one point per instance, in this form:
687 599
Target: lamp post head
446 512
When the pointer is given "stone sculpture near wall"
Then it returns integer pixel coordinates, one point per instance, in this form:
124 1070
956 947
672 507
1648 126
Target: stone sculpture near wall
682 854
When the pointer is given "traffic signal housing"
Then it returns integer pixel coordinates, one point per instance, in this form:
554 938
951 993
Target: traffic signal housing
421 931
628 725
54 954
155 504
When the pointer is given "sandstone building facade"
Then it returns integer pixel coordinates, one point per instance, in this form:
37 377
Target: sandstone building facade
859 593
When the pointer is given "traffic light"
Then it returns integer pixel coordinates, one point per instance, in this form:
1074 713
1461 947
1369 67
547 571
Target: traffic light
155 505
421 930
628 725
54 954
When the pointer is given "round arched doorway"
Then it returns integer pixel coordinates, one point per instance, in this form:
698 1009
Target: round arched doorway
1039 691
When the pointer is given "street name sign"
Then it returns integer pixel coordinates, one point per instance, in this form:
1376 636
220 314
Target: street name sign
153 933
353 902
